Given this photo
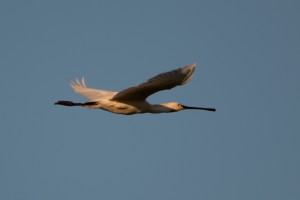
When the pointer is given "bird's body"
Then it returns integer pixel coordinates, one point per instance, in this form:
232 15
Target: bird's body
126 108
133 99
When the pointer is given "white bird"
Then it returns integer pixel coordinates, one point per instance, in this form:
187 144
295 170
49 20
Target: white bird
133 100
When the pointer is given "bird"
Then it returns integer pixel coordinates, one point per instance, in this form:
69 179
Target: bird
133 100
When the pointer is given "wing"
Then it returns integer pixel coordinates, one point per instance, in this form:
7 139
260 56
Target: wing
92 94
164 81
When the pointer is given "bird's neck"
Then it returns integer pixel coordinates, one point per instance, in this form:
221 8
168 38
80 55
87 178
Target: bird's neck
160 108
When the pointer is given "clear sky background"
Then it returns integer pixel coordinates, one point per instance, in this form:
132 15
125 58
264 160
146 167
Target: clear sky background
247 55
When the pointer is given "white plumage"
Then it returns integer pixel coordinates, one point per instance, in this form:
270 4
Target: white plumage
91 94
133 100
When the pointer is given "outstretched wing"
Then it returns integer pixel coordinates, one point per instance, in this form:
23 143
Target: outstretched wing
164 81
92 94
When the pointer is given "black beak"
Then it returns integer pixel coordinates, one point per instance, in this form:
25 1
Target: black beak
199 108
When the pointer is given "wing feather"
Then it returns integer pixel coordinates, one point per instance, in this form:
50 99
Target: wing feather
164 81
92 94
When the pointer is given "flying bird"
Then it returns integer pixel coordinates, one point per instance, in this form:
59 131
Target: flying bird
133 100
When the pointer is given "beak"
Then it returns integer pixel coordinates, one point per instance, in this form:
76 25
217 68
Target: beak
199 108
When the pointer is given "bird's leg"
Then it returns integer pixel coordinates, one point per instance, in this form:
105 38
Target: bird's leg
68 103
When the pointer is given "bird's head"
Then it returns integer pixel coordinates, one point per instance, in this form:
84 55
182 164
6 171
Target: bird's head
175 106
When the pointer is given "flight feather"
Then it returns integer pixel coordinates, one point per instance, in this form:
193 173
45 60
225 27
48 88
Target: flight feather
92 94
163 81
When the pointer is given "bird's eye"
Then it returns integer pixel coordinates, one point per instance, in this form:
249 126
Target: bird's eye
179 105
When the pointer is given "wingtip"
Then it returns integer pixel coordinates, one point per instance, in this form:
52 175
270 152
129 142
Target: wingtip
190 66
78 83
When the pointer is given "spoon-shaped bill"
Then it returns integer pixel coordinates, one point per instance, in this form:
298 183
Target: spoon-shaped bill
199 108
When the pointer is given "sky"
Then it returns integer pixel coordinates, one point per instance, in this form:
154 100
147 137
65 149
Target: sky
247 55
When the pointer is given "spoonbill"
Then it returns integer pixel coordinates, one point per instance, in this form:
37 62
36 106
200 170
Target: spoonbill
133 100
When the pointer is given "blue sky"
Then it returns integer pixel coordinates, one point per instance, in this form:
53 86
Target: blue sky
247 55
